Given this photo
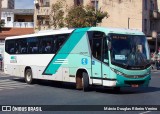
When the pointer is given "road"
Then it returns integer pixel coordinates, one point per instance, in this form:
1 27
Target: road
14 91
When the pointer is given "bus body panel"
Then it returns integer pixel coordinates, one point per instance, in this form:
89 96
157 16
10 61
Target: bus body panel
76 54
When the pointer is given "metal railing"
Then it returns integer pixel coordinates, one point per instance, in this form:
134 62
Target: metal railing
23 24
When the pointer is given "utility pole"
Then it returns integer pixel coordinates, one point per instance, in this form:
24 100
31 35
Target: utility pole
95 5
128 22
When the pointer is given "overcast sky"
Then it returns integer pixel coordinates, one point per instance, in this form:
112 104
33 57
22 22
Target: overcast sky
24 4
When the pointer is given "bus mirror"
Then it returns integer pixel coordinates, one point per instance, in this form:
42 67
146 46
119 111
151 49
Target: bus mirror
109 45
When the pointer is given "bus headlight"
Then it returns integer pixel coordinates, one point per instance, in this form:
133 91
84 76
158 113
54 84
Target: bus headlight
118 72
148 72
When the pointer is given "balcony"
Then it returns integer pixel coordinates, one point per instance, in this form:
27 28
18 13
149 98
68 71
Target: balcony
155 14
23 24
43 11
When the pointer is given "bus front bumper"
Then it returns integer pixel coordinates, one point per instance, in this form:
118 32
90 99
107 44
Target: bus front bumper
133 81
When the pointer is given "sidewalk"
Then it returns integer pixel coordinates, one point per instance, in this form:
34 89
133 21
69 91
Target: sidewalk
1 72
155 70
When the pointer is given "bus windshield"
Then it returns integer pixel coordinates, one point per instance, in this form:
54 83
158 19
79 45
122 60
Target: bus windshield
129 50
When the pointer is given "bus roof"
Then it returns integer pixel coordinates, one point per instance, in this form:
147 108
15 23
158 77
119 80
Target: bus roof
43 33
118 30
66 30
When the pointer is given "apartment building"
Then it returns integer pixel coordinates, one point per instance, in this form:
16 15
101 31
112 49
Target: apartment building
18 18
143 15
9 4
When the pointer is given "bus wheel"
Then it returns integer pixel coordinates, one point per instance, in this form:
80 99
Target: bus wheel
28 76
79 83
85 82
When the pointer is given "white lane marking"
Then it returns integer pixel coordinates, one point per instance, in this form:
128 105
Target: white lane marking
145 112
5 80
11 82
14 86
3 76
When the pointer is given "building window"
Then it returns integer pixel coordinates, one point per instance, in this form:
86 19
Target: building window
152 5
47 4
152 25
78 2
94 3
145 25
8 18
145 4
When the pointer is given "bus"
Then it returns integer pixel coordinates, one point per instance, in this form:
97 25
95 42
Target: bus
111 57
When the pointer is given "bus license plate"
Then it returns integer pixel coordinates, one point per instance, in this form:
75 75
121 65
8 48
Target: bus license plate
135 85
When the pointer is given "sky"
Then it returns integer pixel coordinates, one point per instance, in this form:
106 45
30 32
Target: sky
24 4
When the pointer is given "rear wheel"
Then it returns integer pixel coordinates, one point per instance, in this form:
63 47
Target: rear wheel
28 76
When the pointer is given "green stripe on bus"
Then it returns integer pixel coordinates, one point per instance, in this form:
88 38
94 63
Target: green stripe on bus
63 53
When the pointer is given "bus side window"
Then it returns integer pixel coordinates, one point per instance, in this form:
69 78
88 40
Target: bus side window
97 48
60 40
33 45
12 50
23 46
95 39
105 51
45 46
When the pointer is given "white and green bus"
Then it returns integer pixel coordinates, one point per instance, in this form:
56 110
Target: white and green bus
90 56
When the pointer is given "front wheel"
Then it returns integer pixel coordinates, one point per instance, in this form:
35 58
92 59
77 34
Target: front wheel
28 76
85 82
117 89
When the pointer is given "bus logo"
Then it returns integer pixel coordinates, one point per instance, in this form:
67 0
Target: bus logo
13 59
84 61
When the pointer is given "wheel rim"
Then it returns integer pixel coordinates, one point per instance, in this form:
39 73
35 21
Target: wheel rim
28 77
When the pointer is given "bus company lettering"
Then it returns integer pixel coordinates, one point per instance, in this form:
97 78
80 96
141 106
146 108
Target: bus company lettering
13 59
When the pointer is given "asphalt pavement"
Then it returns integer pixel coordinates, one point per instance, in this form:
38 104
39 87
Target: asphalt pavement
14 91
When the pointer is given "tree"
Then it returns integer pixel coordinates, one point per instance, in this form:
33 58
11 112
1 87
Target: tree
2 23
57 14
84 16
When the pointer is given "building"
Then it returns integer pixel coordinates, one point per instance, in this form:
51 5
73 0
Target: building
18 18
0 8
17 22
9 4
143 15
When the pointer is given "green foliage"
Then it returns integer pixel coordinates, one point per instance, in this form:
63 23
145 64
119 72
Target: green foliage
84 16
57 15
1 24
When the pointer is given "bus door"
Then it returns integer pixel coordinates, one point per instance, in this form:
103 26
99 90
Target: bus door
97 46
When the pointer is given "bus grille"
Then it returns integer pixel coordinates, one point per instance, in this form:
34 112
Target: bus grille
135 76
134 82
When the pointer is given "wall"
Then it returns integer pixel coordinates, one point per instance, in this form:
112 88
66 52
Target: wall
4 16
8 4
4 3
122 12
